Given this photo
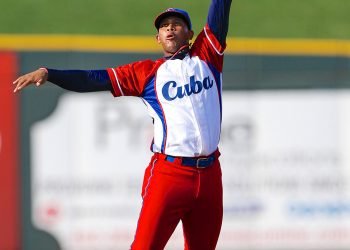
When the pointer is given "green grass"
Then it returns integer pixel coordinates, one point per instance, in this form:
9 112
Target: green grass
292 18
249 18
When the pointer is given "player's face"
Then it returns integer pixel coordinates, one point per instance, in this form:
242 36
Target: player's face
173 33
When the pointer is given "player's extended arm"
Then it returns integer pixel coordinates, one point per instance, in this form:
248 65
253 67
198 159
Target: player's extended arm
218 19
74 80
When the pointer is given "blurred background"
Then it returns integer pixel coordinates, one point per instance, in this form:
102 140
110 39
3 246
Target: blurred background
72 164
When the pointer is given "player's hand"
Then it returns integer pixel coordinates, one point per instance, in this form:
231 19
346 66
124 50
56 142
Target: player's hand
37 77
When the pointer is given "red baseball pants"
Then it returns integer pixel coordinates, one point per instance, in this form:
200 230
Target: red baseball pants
172 192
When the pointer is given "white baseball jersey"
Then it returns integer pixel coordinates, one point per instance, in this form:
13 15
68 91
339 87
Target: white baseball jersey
183 96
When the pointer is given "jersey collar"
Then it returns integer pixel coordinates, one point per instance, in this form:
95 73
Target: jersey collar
180 54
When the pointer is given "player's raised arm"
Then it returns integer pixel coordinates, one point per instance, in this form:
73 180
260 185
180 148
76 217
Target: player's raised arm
218 19
73 80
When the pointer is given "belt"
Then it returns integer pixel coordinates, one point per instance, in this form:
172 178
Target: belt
197 162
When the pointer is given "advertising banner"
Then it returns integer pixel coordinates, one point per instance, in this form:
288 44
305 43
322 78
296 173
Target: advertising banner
284 159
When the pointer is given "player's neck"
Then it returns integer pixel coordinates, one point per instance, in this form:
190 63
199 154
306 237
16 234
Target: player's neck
179 54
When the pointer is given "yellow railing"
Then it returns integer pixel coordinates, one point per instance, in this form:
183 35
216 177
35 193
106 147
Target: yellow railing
144 44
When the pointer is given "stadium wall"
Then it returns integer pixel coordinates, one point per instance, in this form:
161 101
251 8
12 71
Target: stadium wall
243 72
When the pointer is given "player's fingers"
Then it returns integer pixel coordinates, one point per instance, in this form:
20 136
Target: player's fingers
39 82
15 81
17 88
19 79
21 84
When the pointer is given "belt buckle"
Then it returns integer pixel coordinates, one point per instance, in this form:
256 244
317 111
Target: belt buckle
199 160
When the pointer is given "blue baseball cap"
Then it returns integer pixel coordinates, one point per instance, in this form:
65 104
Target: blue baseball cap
173 12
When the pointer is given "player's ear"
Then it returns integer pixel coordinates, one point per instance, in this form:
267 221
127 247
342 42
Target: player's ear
157 38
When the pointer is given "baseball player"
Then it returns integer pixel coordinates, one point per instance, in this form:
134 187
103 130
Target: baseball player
182 92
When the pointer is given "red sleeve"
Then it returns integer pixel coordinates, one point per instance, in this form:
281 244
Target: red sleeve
208 48
130 79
